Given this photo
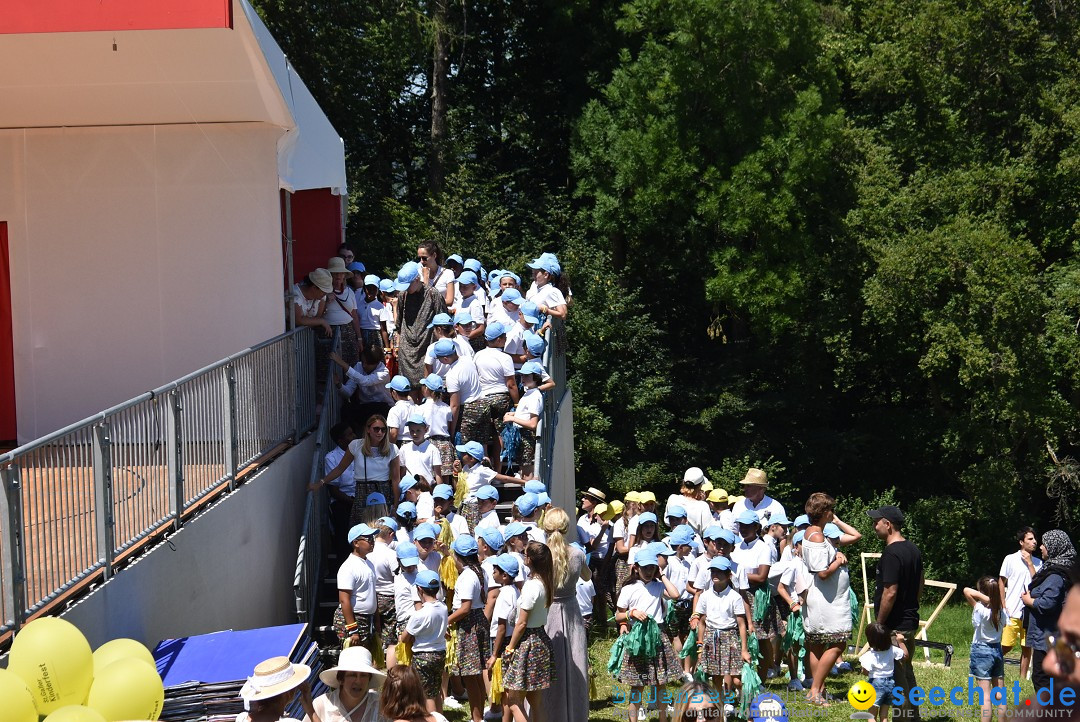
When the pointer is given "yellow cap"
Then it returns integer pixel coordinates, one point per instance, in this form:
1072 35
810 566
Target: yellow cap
615 508
632 496
706 485
646 496
718 495
735 499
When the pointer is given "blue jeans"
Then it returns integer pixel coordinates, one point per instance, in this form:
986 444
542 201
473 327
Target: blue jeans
987 661
884 687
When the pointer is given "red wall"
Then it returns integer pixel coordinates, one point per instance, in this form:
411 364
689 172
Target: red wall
317 231
69 16
7 351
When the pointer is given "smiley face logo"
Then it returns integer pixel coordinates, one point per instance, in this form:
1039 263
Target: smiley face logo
861 696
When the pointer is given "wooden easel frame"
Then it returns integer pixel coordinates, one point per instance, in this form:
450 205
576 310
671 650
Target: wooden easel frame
868 615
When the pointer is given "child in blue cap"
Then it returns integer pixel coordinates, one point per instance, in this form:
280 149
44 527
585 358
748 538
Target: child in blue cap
467 617
505 568
444 328
477 477
681 540
419 456
404 589
723 647
426 632
526 415
401 391
529 659
383 560
355 616
499 392
440 419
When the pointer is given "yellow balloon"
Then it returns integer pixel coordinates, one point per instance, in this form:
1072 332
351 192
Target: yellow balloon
53 658
128 689
75 713
119 649
18 702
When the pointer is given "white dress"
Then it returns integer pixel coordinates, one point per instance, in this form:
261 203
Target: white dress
827 613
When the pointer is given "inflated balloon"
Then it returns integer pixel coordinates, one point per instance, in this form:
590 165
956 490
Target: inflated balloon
53 658
75 713
128 689
119 649
18 702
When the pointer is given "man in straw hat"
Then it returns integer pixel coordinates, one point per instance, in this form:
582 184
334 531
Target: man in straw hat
269 690
755 499
590 498
354 689
698 514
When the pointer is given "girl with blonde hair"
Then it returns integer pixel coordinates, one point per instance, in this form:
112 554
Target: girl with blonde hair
568 696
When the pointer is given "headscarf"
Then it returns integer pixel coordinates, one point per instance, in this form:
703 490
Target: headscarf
1060 555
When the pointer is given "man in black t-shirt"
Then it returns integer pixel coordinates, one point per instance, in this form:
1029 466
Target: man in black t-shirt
899 583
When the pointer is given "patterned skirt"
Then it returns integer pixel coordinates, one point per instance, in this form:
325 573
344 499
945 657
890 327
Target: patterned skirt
366 630
429 665
827 639
475 424
497 406
721 653
769 626
532 665
528 449
388 635
622 573
473 645
645 671
683 611
470 509
371 336
360 512
446 453
350 343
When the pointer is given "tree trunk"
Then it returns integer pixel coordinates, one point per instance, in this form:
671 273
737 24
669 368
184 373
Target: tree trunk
440 65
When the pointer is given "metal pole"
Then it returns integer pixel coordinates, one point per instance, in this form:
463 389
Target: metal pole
231 425
297 367
289 316
13 557
174 451
103 497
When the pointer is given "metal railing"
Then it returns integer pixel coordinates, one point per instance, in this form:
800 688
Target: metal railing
78 501
309 557
555 362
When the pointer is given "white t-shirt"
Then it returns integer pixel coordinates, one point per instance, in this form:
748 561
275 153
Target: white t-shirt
386 318
547 295
357 576
880 664
477 476
339 307
345 482
1018 577
678 573
753 555
493 367
698 514
443 278
534 532
404 588
648 598
505 608
308 309
795 578
727 520
515 343
489 519
371 468
462 378
984 626
370 388
397 416
422 461
531 405
533 599
720 610
428 626
703 580
586 592
384 561
458 525
437 366
370 314
764 508
439 417
468 587
425 508
473 304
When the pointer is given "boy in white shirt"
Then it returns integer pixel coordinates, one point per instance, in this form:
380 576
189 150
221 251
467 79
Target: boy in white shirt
505 569
444 510
398 416
419 456
879 664
369 312
678 573
354 618
487 498
527 415
722 646
426 632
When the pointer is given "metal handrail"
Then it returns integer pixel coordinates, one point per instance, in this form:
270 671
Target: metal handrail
76 502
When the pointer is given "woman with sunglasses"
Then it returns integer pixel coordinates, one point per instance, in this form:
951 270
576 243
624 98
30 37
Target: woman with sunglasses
376 467
434 273
1046 597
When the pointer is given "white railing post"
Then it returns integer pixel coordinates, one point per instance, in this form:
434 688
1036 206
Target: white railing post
297 386
13 557
104 518
231 425
174 452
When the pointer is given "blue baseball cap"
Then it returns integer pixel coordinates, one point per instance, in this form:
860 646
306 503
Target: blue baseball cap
487 491
464 545
387 285
531 367
425 531
400 384
472 264
676 512
510 295
441 319
406 275
473 448
526 504
802 520
491 536
514 528
646 517
417 419
356 267
659 548
722 564
682 534
375 498
831 531
372 280
511 274
456 258
542 499
530 312
407 555
427 579
468 278
509 564
444 347
797 537
779 518
405 508
646 559
407 482
389 522
534 487
748 517
361 530
493 331
713 531
443 491
536 344
463 318
433 382
545 262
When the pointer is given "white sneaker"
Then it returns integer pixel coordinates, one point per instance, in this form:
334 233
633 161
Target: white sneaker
729 710
687 677
451 703
641 713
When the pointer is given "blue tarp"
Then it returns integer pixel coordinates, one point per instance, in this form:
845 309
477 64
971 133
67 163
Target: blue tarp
225 656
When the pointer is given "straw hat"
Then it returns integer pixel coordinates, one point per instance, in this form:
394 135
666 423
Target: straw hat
272 677
337 265
352 659
322 280
594 493
755 477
